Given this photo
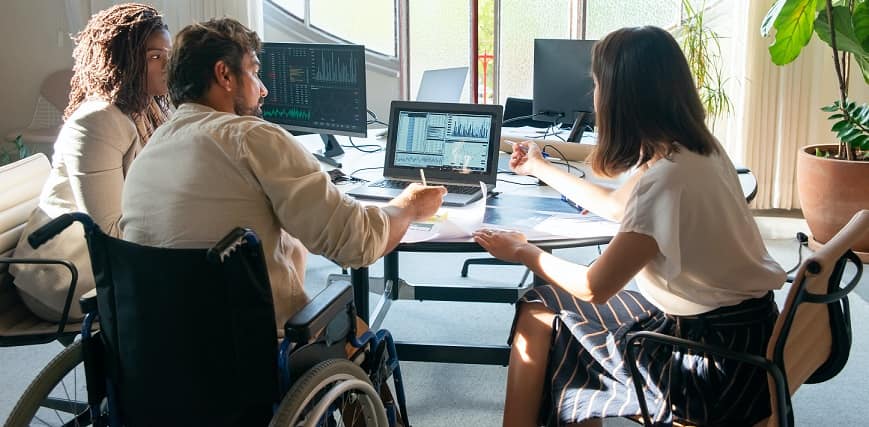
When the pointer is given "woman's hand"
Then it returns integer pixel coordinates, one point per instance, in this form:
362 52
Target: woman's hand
526 156
505 245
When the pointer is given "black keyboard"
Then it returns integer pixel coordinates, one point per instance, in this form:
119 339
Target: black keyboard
455 189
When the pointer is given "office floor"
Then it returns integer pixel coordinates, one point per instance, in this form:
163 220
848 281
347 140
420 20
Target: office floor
462 395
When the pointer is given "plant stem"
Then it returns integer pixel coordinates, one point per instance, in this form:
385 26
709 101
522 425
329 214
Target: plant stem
843 91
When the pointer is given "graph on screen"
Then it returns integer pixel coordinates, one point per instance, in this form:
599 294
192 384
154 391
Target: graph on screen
315 87
442 140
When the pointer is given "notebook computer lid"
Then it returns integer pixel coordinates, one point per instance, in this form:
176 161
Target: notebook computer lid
453 143
442 85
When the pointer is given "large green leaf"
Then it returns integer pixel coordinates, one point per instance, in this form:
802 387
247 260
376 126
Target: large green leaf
794 23
846 39
860 20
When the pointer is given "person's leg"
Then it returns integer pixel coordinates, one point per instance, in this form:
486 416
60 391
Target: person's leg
527 371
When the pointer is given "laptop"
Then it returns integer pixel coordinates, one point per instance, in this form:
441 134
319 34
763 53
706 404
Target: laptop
442 85
456 145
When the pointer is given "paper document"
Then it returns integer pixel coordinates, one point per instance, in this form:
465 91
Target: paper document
449 223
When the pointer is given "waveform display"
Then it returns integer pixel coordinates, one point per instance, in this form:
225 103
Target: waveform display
470 127
286 113
336 67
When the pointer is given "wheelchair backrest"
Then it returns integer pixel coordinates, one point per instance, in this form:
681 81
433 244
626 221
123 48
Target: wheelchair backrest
189 341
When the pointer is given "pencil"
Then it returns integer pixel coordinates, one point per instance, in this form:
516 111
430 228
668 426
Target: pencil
422 177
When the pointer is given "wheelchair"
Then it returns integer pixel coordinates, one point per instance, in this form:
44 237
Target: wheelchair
189 337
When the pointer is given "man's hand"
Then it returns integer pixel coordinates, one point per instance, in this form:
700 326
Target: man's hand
504 245
423 200
526 156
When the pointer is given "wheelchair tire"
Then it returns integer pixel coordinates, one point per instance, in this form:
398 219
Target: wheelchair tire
319 388
67 410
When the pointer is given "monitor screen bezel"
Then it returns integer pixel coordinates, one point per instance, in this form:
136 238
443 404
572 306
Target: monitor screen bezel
489 176
364 86
559 69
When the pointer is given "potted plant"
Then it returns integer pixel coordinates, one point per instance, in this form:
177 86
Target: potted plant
832 179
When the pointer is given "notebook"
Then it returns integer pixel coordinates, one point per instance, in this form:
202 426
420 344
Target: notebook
455 144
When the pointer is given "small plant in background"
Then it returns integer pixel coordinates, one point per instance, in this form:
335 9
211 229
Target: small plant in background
19 151
703 52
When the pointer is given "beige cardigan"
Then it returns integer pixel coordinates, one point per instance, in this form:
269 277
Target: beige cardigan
92 154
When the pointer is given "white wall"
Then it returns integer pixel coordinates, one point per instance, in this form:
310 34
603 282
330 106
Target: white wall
36 44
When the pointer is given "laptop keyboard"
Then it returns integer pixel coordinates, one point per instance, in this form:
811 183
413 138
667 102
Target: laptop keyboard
455 189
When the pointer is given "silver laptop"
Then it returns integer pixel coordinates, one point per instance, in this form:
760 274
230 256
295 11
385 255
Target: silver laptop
455 144
442 85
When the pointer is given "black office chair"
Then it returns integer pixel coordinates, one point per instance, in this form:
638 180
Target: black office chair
188 337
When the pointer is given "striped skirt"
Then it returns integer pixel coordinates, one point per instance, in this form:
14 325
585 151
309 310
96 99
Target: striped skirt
587 376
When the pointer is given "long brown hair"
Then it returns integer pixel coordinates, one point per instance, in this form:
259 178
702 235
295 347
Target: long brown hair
646 101
110 60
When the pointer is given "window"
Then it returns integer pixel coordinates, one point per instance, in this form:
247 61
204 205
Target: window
370 22
447 47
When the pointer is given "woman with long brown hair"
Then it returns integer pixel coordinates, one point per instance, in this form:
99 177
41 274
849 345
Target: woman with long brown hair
686 236
118 98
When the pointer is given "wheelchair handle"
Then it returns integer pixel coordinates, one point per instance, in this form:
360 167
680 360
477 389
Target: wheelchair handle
229 243
55 226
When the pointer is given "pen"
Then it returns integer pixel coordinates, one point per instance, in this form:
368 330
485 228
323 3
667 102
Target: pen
422 176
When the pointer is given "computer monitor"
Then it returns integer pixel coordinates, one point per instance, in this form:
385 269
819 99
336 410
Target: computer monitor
316 88
442 85
563 86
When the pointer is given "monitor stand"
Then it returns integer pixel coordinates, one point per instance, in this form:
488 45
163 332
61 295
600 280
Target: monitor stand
583 119
332 149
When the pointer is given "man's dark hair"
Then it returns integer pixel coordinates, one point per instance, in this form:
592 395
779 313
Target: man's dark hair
110 59
198 47
646 101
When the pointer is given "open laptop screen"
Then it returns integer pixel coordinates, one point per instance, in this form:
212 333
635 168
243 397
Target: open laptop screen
452 142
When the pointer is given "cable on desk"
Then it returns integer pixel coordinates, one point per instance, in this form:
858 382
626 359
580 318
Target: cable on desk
565 162
362 147
364 169
374 119
517 183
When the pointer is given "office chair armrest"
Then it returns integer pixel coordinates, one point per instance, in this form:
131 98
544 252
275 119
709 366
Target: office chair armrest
318 313
636 339
73 279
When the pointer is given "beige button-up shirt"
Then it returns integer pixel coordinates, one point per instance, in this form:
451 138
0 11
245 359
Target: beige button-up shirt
205 172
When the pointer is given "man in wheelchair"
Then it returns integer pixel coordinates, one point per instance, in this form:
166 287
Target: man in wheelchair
186 337
216 165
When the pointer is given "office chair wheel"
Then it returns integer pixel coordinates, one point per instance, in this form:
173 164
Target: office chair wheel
336 392
57 396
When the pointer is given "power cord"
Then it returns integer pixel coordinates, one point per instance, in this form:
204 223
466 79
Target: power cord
365 148
353 174
565 162
803 241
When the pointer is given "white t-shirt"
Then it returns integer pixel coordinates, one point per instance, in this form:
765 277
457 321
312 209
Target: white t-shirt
710 251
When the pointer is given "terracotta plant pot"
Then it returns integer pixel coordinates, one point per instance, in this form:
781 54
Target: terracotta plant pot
831 192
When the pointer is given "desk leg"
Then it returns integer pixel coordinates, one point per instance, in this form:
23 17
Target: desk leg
390 273
359 279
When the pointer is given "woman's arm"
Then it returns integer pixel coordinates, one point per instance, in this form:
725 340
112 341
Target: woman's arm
625 256
604 201
92 146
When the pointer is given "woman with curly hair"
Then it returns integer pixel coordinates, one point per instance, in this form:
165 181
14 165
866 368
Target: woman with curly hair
118 98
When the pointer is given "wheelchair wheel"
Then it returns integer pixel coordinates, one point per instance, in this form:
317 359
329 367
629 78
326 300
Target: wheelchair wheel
58 395
336 392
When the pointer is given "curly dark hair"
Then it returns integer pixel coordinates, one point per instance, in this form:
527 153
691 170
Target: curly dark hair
110 59
198 47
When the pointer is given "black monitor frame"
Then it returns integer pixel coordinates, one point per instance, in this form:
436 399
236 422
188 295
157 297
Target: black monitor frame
563 86
314 95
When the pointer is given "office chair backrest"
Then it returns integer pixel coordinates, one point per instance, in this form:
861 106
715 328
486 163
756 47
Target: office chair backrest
189 342
812 337
20 185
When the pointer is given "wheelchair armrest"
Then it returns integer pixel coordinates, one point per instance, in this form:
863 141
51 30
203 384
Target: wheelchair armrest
88 302
317 314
